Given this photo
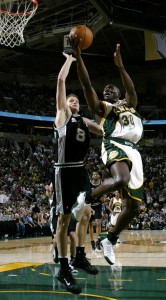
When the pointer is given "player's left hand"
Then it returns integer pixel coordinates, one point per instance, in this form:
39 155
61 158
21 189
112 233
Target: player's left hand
117 57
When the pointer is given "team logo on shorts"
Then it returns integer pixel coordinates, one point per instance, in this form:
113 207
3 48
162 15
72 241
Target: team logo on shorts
113 154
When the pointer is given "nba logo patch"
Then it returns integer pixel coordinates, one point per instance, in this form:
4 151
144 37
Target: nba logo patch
113 154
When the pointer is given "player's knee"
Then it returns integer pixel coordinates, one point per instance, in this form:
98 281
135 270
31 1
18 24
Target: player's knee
88 213
72 236
121 181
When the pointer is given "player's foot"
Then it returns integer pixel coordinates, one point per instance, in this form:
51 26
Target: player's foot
93 244
109 254
55 256
81 262
80 206
98 246
70 284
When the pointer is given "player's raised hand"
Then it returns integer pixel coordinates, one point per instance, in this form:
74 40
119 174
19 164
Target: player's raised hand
69 56
117 57
74 42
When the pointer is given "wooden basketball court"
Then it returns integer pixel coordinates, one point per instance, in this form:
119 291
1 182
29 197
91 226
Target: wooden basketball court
27 270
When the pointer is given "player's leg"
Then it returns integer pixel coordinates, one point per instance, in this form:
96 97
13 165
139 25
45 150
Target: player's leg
98 217
128 213
80 261
73 241
53 227
119 178
91 233
64 275
132 193
61 234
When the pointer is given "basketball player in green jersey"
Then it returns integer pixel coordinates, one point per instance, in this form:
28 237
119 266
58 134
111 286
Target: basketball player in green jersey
122 130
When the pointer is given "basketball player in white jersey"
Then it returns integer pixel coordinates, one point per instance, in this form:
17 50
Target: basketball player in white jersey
122 130
115 206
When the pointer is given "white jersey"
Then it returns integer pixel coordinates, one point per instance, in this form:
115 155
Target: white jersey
122 129
117 205
116 210
121 121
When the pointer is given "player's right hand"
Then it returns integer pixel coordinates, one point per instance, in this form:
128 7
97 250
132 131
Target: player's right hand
74 42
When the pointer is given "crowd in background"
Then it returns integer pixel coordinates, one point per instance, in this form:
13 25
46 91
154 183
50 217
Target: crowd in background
40 100
24 172
26 167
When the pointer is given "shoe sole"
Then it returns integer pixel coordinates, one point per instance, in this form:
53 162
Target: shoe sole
73 270
89 272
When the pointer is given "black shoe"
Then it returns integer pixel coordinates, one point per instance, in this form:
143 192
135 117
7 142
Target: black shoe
93 245
55 256
73 270
68 281
81 262
98 247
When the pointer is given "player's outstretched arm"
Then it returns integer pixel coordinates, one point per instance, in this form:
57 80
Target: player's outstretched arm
131 95
89 92
93 127
61 105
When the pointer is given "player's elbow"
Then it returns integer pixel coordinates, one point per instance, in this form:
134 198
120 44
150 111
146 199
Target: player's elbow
60 80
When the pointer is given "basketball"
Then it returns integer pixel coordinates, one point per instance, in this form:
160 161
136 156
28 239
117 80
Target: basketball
84 35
